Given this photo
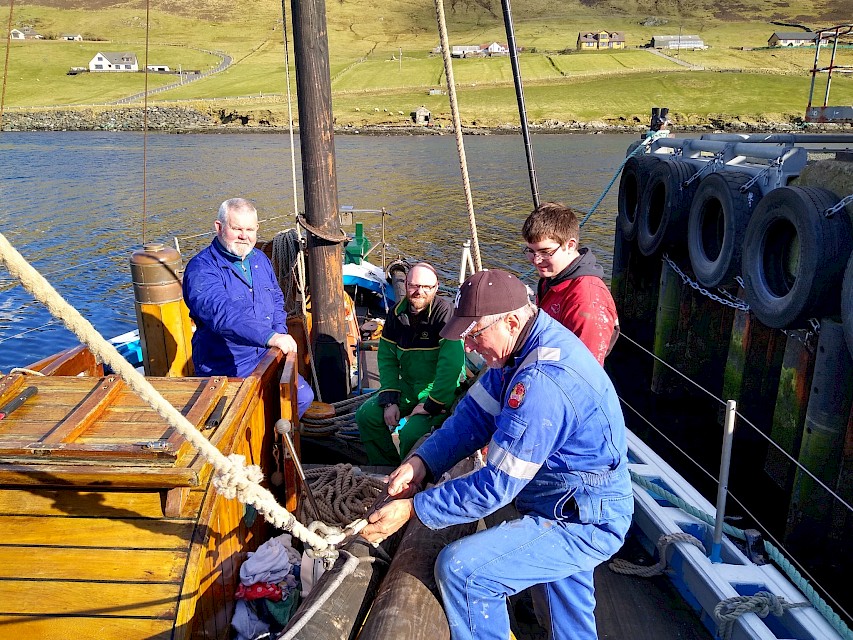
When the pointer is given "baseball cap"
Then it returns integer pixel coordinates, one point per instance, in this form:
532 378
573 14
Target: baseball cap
485 293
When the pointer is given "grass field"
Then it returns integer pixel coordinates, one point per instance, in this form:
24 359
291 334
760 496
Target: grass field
371 85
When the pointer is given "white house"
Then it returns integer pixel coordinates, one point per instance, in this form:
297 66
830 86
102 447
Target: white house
17 34
114 61
793 39
72 37
25 33
158 68
464 51
678 42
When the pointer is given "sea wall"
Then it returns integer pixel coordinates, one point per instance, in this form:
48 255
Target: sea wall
193 119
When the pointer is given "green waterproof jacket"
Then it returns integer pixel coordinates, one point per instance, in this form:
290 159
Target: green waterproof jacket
414 361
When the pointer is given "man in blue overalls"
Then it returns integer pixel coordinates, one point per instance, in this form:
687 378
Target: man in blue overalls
556 445
236 302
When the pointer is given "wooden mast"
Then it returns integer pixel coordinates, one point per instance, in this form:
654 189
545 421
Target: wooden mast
320 184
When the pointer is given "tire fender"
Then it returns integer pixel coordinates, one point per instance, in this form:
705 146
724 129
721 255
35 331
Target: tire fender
794 256
635 174
716 226
664 205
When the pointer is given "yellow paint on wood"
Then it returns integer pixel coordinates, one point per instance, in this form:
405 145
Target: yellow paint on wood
58 502
118 565
176 325
120 533
63 628
88 599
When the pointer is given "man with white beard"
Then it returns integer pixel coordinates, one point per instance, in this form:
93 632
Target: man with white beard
419 371
236 302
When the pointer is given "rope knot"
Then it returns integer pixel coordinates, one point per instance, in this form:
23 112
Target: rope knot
238 481
762 604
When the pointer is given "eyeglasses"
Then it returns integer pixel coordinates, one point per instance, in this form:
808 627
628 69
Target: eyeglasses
420 287
476 334
542 254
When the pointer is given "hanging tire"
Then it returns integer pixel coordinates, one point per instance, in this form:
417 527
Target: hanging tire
847 305
716 225
664 205
794 256
635 174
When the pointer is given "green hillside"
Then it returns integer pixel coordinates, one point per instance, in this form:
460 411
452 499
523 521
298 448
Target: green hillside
372 85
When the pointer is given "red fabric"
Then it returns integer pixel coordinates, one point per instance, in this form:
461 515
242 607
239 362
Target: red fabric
258 591
584 306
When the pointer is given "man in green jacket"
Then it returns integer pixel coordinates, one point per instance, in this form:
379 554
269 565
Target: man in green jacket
419 371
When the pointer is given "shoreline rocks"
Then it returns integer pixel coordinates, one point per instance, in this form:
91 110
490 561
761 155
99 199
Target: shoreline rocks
173 119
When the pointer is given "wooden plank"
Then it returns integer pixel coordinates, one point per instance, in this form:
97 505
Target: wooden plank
212 390
95 564
174 502
52 502
73 362
47 475
115 533
65 627
88 599
287 402
9 386
90 410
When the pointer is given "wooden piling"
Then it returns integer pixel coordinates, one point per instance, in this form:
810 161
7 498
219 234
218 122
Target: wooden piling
827 418
789 415
668 344
753 365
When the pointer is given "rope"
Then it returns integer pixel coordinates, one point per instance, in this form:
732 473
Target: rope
763 603
31 372
287 255
343 493
651 136
320 233
630 569
6 64
457 128
772 552
233 477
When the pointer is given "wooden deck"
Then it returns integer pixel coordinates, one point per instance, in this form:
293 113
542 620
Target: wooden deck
109 524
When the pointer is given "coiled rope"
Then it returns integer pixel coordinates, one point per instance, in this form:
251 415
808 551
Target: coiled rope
342 493
344 417
232 477
630 569
287 256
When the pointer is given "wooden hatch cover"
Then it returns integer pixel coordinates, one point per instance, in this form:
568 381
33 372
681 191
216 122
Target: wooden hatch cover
99 425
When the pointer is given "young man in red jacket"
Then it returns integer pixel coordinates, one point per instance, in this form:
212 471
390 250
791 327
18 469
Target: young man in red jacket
571 289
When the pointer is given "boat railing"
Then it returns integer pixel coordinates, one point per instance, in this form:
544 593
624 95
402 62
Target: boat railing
734 418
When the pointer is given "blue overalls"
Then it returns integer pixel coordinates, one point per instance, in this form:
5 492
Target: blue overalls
235 315
557 446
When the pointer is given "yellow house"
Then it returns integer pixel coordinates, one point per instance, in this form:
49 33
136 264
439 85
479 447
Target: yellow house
594 40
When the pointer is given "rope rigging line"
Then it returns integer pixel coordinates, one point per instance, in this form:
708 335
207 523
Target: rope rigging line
145 121
651 136
6 64
232 477
457 129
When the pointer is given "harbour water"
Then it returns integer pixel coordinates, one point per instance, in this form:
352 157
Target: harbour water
75 207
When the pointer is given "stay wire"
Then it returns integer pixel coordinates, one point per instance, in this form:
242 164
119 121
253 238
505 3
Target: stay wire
6 64
793 460
145 121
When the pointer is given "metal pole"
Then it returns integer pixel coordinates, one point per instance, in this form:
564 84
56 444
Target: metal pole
831 64
814 74
283 427
519 96
384 244
723 486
